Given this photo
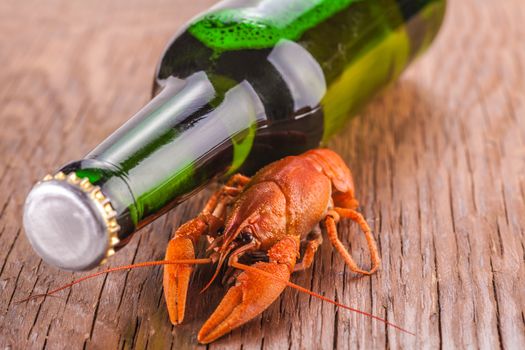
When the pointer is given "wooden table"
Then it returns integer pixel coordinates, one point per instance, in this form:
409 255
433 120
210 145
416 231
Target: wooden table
438 159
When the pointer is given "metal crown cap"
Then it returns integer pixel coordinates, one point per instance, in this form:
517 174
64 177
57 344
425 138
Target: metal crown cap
102 202
70 222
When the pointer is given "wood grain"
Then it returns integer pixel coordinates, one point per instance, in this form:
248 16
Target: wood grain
438 159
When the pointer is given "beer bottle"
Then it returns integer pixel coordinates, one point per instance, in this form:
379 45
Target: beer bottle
243 84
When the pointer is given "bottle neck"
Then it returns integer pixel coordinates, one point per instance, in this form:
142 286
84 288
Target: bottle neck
266 103
187 134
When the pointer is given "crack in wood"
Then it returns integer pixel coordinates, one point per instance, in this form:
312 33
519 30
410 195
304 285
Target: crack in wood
35 319
97 304
9 251
44 346
133 260
438 296
4 207
16 284
496 302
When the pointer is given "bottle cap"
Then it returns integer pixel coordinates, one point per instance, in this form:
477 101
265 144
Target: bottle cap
70 223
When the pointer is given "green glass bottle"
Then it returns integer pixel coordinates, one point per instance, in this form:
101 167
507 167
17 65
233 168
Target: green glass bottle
245 83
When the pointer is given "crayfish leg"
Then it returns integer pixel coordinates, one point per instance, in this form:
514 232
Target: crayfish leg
331 227
313 241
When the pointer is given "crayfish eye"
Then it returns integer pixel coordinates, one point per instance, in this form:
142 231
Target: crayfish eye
244 238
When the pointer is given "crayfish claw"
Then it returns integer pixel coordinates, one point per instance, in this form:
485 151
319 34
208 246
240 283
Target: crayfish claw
177 277
253 292
251 295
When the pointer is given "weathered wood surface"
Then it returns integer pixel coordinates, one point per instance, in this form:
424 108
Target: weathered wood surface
438 159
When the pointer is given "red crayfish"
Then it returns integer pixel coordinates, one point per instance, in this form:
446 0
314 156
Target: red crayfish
267 220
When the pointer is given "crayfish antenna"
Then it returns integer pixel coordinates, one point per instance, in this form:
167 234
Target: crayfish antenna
215 274
316 295
115 269
222 258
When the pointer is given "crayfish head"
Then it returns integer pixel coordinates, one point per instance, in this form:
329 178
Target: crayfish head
233 245
256 221
259 215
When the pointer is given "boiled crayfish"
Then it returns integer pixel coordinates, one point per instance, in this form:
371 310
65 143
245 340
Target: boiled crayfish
271 216
266 221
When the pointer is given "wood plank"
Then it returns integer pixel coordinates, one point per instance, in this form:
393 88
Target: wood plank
438 161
